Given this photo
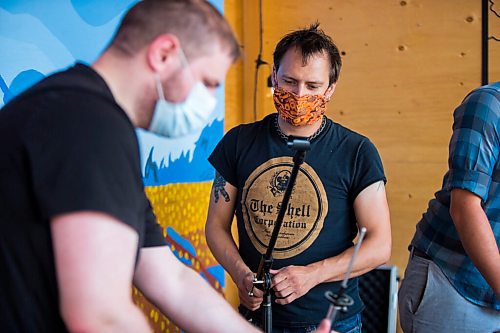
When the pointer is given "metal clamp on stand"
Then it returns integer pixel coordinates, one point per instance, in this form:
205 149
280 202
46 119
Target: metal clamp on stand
262 278
341 301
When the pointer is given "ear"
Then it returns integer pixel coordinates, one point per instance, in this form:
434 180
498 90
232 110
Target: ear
330 90
274 77
162 53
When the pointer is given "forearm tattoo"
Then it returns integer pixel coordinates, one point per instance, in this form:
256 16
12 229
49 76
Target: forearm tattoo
219 183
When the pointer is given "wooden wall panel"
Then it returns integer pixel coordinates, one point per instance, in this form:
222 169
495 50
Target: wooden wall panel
406 66
233 11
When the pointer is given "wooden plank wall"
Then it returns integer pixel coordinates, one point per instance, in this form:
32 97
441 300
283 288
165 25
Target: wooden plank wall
406 66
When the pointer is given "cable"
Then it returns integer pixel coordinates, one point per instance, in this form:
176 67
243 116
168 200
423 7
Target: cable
497 15
492 10
258 62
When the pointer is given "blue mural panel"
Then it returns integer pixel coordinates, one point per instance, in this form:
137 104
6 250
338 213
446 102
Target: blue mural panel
38 38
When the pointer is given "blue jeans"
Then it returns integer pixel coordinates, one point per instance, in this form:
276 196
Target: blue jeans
429 303
348 325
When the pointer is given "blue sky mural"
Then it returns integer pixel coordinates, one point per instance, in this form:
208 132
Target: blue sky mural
38 38
159 169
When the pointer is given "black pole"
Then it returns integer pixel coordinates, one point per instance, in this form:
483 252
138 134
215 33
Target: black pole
341 301
484 42
263 275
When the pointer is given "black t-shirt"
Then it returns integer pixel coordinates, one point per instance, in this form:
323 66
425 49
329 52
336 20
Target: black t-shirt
65 146
319 221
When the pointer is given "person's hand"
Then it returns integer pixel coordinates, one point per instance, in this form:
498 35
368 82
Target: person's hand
292 282
324 327
244 284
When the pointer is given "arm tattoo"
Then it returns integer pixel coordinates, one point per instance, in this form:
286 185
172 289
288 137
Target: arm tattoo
219 183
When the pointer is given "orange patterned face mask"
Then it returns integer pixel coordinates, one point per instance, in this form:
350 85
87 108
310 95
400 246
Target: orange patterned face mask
299 110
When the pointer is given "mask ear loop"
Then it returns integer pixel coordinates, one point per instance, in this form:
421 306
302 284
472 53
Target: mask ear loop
182 55
185 63
159 88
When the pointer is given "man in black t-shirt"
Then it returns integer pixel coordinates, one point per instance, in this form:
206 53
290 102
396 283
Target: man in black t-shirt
339 188
76 229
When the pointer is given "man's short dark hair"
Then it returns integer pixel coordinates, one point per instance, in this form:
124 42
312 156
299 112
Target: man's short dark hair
310 41
196 23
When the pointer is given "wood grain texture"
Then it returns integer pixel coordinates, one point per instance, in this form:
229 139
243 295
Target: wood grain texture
406 66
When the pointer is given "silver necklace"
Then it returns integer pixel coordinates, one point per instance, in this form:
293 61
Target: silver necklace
285 137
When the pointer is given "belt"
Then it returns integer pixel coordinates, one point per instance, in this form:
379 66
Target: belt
416 252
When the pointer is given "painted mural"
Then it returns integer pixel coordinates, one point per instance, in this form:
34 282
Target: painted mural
38 38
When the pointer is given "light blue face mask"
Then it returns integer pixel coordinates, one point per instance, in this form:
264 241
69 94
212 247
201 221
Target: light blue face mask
175 120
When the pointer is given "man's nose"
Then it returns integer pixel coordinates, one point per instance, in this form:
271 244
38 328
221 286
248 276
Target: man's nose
300 90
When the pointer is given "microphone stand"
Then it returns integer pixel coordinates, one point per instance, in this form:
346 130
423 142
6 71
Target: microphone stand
341 301
263 276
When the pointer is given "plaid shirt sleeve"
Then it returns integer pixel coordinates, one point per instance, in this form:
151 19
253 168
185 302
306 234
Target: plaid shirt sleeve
474 145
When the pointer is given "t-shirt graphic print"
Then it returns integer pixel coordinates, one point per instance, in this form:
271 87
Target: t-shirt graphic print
262 197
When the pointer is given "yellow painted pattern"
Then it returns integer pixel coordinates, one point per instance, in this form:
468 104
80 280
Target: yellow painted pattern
184 208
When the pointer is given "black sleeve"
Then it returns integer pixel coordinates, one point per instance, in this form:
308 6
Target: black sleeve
153 235
224 157
84 157
368 168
